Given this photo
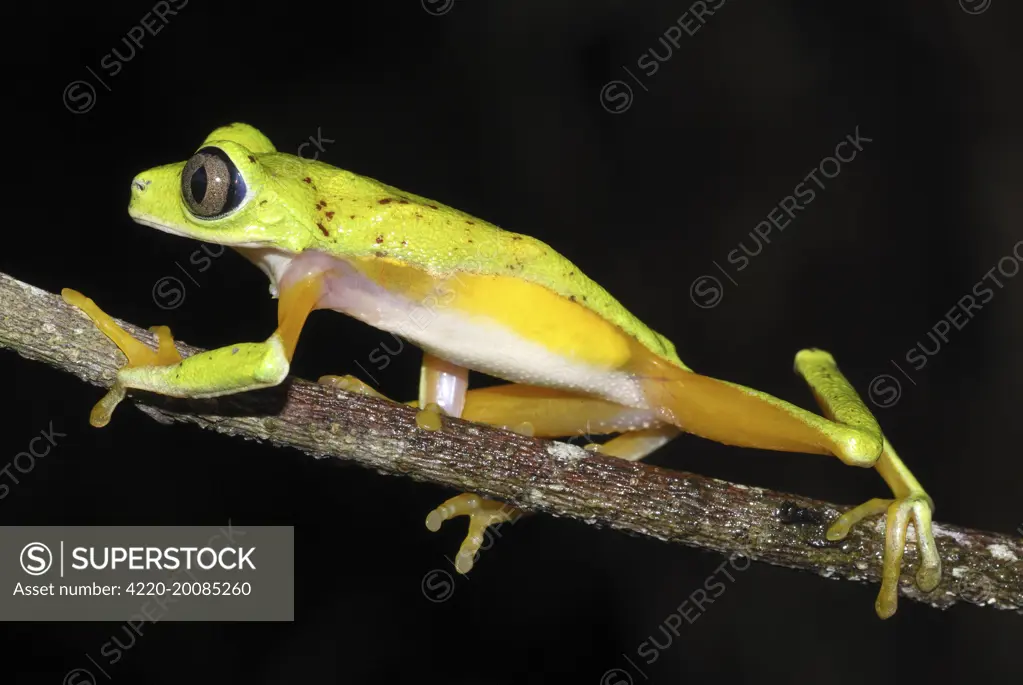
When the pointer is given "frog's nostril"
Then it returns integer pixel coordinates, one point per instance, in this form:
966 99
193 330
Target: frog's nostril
139 184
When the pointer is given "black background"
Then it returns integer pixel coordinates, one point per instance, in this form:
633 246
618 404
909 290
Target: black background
495 107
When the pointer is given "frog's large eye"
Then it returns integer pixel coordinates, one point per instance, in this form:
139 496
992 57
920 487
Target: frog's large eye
211 184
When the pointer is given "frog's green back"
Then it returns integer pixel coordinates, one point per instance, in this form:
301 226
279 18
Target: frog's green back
362 217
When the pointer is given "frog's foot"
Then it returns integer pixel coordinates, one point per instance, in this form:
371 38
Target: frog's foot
917 506
636 445
482 513
137 353
350 384
429 418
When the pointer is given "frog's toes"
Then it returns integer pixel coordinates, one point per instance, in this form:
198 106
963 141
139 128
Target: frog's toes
166 353
844 523
525 428
429 418
482 513
137 353
104 409
899 512
350 384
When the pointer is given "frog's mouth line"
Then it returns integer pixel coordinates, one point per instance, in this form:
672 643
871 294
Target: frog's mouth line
146 220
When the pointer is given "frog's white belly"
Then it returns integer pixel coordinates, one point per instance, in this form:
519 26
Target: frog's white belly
475 342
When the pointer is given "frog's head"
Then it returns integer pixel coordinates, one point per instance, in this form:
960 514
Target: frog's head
235 190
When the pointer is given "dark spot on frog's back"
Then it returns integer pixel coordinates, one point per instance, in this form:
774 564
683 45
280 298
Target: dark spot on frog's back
385 201
402 202
307 179
471 223
322 229
380 239
329 215
252 159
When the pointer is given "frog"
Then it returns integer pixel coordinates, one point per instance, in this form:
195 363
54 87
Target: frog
473 296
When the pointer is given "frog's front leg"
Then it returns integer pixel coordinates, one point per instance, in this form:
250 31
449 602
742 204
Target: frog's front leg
223 371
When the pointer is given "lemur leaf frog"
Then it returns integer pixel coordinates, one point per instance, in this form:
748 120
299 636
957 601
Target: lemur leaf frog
503 304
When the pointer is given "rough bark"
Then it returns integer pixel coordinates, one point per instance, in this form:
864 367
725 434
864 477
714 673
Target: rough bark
535 475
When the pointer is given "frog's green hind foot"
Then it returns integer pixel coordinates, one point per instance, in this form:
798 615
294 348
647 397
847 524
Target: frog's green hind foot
839 400
137 353
482 513
911 503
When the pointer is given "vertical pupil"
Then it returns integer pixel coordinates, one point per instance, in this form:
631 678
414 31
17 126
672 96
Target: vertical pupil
198 184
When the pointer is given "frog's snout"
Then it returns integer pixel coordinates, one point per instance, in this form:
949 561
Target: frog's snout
139 197
139 185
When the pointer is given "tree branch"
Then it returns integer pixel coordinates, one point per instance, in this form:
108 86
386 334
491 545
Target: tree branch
538 475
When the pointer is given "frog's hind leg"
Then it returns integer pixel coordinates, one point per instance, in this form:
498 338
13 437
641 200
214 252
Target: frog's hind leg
528 410
542 412
551 413
821 372
735 415
911 502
